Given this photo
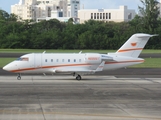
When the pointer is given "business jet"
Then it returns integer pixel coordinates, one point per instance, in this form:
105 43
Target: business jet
78 64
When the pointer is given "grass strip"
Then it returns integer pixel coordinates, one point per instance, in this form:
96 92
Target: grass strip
65 51
52 51
5 61
149 63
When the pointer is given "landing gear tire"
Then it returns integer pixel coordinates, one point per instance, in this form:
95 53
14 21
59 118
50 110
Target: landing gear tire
78 77
19 77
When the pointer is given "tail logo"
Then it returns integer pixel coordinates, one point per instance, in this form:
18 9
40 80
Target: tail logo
133 44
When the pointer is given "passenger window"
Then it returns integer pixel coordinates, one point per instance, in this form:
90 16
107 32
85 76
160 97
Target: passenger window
74 60
68 60
57 60
79 60
46 60
62 60
51 60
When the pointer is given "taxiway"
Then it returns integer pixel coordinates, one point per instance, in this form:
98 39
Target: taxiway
93 98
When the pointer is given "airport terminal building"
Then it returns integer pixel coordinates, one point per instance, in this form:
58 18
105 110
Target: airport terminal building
123 14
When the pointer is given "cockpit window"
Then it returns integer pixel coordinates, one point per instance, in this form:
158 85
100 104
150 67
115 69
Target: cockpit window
23 59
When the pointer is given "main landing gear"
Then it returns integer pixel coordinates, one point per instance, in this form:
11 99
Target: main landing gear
78 77
19 77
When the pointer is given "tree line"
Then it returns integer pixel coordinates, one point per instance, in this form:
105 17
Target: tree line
92 34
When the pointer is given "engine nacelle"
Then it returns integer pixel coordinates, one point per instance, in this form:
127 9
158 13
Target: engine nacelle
93 58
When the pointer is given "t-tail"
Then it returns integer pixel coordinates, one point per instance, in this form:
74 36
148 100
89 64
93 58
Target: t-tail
134 45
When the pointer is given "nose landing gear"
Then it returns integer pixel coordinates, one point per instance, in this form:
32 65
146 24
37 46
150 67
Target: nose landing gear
19 77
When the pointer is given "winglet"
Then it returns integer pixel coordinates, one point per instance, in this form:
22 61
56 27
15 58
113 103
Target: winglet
100 67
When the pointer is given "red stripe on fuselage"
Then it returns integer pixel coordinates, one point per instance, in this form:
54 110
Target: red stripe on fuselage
44 67
68 65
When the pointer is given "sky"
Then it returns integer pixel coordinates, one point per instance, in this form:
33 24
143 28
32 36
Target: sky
88 4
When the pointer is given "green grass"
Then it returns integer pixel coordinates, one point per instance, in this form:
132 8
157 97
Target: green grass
65 51
149 63
51 51
4 61
151 51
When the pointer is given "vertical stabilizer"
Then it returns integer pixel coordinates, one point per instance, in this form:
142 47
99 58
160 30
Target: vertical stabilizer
134 45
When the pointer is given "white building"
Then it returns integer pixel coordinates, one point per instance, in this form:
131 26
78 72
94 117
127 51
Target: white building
55 14
24 9
116 15
73 7
33 9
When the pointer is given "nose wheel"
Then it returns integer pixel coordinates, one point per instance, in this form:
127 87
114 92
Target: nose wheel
19 77
78 77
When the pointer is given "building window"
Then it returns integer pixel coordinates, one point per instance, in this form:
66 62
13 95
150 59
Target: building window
109 15
94 15
106 15
91 15
100 15
49 12
97 15
130 16
103 15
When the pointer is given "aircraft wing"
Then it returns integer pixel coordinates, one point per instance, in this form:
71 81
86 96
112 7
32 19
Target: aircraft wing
82 70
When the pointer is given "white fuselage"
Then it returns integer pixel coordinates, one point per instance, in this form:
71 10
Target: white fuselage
51 63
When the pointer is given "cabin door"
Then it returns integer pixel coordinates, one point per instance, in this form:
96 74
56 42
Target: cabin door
38 59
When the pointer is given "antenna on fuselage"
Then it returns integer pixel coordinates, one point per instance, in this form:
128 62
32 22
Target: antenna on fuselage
44 52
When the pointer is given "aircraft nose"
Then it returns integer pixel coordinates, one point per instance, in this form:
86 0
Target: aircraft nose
6 68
